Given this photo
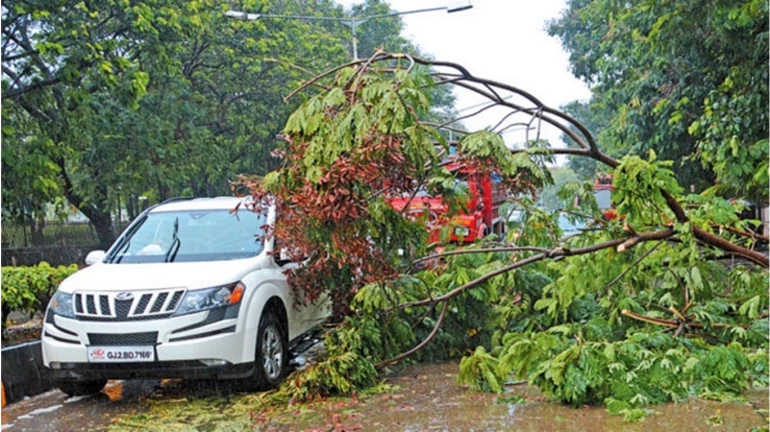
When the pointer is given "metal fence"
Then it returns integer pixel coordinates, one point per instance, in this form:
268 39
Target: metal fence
58 243
52 234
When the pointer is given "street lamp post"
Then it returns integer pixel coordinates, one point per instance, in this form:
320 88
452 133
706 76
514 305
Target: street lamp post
353 22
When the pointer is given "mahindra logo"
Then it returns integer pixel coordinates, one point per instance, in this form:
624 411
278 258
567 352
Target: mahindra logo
97 354
124 296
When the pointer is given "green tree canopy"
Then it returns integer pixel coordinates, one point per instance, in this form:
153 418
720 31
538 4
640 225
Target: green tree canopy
120 99
687 79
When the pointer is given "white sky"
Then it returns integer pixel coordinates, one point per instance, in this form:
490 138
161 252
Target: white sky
503 40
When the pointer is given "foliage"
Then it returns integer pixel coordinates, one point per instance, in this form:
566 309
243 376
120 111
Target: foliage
349 149
685 79
641 309
29 289
107 101
591 338
549 195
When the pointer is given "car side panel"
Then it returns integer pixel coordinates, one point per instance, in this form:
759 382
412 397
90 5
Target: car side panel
263 285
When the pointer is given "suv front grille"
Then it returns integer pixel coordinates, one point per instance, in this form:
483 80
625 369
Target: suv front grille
148 338
141 305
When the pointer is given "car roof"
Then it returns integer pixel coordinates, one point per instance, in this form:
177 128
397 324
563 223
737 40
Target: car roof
217 203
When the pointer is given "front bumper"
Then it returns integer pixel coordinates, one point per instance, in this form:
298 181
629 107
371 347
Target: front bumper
180 343
191 369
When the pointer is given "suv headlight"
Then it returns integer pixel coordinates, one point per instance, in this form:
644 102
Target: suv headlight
61 304
209 298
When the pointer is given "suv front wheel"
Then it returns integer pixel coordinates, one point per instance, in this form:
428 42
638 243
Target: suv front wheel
272 356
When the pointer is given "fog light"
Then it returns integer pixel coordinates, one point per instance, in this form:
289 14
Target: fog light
55 365
214 362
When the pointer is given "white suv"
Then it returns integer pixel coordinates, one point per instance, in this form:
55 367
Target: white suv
191 289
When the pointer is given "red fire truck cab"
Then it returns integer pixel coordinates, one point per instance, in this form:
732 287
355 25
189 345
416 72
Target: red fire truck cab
478 218
603 194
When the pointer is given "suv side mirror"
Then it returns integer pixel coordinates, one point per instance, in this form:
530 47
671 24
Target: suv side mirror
94 257
282 258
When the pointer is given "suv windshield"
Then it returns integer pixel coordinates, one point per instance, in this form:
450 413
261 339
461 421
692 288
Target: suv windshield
205 235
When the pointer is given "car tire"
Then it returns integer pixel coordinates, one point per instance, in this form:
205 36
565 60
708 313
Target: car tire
271 360
80 388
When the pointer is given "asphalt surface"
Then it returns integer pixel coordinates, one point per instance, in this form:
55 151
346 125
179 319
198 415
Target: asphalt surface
55 411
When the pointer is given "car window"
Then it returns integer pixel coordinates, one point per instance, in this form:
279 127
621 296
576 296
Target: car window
178 236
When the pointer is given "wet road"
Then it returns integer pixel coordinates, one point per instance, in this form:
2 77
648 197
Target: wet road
429 399
54 411
425 398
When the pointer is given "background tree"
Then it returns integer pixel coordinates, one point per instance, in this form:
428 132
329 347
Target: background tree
549 196
686 79
109 101
597 122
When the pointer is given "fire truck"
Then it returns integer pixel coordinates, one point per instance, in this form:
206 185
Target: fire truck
603 194
479 217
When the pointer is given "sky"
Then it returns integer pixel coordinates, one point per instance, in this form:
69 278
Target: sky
503 40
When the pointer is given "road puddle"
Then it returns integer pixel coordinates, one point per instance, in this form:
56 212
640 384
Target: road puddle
429 399
424 398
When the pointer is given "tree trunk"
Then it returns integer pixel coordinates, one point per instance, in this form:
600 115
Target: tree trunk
103 225
98 212
37 224
163 192
131 206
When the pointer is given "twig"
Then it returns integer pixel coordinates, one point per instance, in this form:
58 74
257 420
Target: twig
677 313
754 236
670 323
552 254
651 320
427 312
485 250
479 111
618 277
658 235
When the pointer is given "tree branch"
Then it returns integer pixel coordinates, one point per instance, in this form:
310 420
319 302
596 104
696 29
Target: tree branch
634 264
419 346
20 91
485 250
658 235
552 254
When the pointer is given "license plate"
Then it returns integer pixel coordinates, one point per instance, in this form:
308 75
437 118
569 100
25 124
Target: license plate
120 354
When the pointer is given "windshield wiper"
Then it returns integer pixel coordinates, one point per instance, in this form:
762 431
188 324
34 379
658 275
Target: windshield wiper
175 242
124 249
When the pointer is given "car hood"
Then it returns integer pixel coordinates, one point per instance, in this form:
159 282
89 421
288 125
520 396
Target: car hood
128 277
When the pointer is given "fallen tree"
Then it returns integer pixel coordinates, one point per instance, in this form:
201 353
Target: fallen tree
635 311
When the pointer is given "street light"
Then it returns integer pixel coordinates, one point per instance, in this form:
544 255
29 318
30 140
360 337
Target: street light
352 22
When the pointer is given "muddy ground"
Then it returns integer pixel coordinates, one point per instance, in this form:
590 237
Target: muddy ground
422 398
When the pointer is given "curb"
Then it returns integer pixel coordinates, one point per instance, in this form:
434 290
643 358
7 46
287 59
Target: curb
24 372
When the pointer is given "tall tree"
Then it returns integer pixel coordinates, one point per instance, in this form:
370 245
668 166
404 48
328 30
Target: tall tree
687 79
159 98
58 63
149 97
